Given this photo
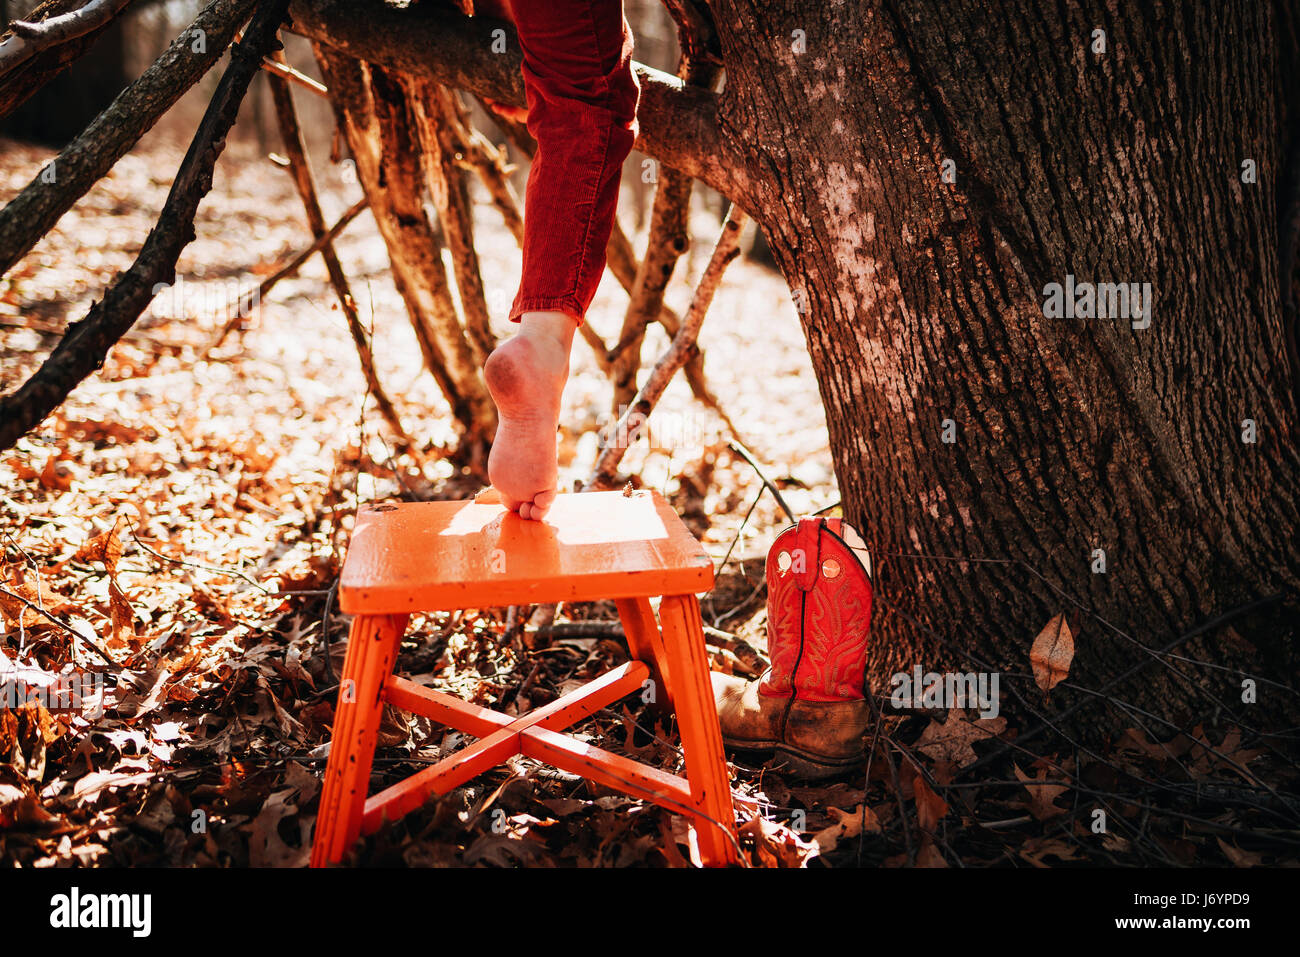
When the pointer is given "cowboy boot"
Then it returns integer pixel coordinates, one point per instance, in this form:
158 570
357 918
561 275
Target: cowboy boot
808 709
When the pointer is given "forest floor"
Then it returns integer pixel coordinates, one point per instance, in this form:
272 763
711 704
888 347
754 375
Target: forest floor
173 531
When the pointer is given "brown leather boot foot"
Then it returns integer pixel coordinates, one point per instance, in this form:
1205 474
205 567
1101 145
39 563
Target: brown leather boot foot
823 739
811 739
750 721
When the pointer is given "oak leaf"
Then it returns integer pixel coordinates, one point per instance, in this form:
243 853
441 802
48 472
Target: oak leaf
951 741
848 824
1239 857
1042 796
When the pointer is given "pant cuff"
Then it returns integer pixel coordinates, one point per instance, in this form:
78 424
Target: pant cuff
565 304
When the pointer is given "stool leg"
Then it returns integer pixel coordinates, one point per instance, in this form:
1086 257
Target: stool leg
697 721
372 648
647 644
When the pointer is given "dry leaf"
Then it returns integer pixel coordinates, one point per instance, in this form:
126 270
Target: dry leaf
105 547
1230 756
1239 857
776 845
1134 740
930 808
1052 652
54 476
848 824
929 855
123 618
1039 847
951 741
1042 796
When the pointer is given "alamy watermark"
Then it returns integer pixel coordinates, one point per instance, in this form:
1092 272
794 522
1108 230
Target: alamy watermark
1102 300
951 689
75 910
223 299
80 693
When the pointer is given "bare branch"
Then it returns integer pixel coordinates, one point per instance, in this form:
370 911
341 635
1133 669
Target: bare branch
68 26
34 211
373 115
493 169
288 269
33 37
86 343
667 241
616 441
436 122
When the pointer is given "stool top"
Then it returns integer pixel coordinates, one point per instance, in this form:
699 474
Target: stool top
438 556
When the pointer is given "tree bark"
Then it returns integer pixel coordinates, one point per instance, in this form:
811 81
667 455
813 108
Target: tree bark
922 297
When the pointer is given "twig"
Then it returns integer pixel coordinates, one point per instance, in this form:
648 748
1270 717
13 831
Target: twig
291 135
66 627
618 439
288 269
325 629
229 572
739 530
493 171
281 69
745 454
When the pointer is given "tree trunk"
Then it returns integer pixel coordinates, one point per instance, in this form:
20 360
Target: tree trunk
923 302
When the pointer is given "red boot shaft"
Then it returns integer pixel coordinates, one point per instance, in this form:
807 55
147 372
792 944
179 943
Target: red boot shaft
818 614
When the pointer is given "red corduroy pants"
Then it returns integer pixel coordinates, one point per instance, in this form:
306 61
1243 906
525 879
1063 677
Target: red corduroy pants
582 98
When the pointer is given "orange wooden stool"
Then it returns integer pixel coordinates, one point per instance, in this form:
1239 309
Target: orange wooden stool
439 556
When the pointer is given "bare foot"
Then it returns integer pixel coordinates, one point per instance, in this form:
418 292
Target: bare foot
526 376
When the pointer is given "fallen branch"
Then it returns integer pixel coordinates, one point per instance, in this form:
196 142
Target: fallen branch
26 77
374 116
616 440
84 161
30 38
86 343
436 121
